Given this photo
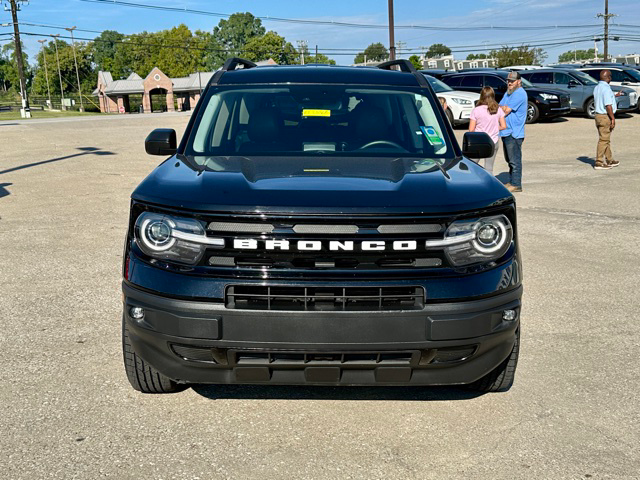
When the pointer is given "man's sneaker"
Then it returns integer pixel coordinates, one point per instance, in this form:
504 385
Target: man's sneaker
613 163
601 166
513 188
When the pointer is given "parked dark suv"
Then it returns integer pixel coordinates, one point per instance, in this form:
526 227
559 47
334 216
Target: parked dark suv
320 225
543 102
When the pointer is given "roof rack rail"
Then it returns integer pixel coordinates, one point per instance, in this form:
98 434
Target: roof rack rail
232 63
405 66
229 66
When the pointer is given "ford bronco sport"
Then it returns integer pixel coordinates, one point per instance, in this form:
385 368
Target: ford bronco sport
320 225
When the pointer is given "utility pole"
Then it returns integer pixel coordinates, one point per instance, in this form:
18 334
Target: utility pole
606 16
392 42
46 73
55 42
73 47
302 46
25 112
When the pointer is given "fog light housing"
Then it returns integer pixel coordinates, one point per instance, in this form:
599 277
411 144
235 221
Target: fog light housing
509 315
137 313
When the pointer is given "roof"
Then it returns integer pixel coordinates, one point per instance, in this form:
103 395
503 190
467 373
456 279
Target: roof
134 76
489 71
315 73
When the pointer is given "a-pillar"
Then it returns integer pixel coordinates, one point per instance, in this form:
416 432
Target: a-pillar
146 102
170 105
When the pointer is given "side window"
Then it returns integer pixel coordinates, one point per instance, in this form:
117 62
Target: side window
595 73
562 78
452 81
471 81
541 77
495 82
618 76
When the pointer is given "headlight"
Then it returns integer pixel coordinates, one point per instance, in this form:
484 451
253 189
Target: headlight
475 241
548 96
461 101
180 240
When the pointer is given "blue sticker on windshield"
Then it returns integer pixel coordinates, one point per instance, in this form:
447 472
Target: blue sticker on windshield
432 135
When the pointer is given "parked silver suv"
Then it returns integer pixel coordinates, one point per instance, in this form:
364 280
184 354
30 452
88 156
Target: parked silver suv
579 85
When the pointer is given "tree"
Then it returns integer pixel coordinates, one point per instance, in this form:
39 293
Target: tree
86 69
271 45
523 55
477 56
415 59
376 52
234 33
438 50
104 49
320 58
9 73
573 55
177 52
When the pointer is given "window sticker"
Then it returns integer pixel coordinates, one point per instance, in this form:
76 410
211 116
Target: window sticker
432 135
312 112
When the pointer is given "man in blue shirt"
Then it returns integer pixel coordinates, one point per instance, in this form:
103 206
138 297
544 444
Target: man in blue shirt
514 105
605 102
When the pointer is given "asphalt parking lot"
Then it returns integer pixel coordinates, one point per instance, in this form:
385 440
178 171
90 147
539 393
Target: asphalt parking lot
68 411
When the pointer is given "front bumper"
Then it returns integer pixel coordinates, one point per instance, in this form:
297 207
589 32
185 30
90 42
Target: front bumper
204 342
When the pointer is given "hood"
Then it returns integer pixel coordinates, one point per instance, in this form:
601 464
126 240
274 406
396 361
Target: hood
535 90
332 185
459 93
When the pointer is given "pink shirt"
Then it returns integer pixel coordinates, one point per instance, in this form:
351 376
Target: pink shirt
487 123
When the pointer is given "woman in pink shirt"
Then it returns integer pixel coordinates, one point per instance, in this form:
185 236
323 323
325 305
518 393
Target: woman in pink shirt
488 117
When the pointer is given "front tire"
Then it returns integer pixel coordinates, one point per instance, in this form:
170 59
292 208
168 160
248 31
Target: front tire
501 378
142 376
533 112
590 109
449 116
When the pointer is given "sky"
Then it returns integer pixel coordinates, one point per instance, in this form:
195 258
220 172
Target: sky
465 14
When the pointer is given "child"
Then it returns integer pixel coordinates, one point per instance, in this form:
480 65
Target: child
488 117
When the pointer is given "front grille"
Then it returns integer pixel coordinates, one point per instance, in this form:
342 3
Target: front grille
311 298
308 359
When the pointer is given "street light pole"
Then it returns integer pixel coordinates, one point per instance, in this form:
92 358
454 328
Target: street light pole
25 111
73 47
46 73
55 42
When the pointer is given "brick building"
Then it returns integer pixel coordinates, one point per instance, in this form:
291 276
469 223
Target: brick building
114 95
182 93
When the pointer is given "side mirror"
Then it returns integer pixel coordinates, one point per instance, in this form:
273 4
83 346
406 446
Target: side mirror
477 145
162 141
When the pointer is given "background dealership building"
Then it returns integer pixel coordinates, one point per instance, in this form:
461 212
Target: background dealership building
169 93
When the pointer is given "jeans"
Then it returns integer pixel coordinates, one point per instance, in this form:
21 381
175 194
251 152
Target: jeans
513 156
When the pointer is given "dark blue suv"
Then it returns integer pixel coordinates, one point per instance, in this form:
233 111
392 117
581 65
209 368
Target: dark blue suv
320 225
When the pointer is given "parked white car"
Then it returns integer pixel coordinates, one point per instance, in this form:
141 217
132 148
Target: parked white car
459 103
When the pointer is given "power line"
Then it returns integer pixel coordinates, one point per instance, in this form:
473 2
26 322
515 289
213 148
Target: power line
326 51
333 23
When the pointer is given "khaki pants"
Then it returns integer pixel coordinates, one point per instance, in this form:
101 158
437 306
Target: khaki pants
603 124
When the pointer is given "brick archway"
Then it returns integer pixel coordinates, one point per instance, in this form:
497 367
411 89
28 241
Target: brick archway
157 80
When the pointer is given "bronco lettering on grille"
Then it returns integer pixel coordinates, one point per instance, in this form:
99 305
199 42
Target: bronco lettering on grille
316 245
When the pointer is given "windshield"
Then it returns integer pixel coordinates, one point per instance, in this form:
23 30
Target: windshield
634 73
312 120
526 83
437 85
586 79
